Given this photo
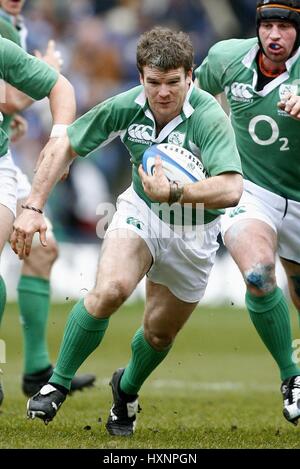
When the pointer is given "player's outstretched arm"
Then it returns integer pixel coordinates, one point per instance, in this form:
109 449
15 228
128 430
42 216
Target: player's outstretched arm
62 102
57 157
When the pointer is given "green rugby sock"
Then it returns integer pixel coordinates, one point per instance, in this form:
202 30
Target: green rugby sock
2 297
83 333
143 361
34 298
270 316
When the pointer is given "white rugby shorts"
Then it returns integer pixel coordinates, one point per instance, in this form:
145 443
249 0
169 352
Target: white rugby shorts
24 186
282 215
8 183
182 261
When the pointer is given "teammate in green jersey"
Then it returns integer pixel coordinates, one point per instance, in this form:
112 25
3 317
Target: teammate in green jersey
36 79
34 286
260 77
166 107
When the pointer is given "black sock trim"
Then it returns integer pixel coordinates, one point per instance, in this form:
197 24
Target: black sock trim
60 388
124 396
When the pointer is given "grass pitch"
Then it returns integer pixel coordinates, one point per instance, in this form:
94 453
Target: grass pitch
218 388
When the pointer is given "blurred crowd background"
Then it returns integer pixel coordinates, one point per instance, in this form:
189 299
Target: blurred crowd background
97 39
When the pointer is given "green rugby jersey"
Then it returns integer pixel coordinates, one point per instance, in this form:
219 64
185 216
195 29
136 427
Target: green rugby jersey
8 31
268 139
25 72
202 127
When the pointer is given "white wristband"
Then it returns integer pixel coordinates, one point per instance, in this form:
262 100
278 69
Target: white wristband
58 130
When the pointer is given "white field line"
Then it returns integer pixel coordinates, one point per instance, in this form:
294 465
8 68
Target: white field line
173 384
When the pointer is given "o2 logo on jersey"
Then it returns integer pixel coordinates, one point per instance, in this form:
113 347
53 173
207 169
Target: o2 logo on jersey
273 132
241 92
140 133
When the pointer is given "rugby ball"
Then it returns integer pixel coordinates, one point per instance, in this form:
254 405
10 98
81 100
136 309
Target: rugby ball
178 163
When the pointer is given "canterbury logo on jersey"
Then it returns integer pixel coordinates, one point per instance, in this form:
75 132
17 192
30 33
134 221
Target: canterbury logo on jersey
241 92
140 133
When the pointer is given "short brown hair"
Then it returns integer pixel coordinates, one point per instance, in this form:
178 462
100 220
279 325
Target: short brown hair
164 49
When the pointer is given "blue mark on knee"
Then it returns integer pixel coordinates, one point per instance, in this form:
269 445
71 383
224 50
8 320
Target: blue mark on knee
262 277
255 279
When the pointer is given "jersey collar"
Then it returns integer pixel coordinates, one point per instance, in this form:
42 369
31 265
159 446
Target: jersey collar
18 23
250 63
187 111
249 59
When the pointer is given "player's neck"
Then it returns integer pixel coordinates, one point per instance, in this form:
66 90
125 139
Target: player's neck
269 68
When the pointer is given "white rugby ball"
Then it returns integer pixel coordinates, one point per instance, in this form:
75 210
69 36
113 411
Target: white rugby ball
178 163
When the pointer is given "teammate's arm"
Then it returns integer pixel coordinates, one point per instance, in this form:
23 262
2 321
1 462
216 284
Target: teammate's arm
18 128
291 104
17 101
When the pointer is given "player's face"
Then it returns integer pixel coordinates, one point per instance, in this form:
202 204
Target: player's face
12 7
278 39
165 91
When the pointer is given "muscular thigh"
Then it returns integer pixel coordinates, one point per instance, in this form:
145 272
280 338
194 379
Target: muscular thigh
124 257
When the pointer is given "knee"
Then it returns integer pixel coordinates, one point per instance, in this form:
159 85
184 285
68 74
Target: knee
51 251
260 279
159 340
46 255
106 300
41 259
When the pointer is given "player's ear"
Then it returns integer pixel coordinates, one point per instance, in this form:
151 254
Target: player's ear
141 79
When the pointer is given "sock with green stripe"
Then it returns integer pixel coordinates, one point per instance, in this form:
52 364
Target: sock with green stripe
34 300
2 297
270 316
83 333
143 361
